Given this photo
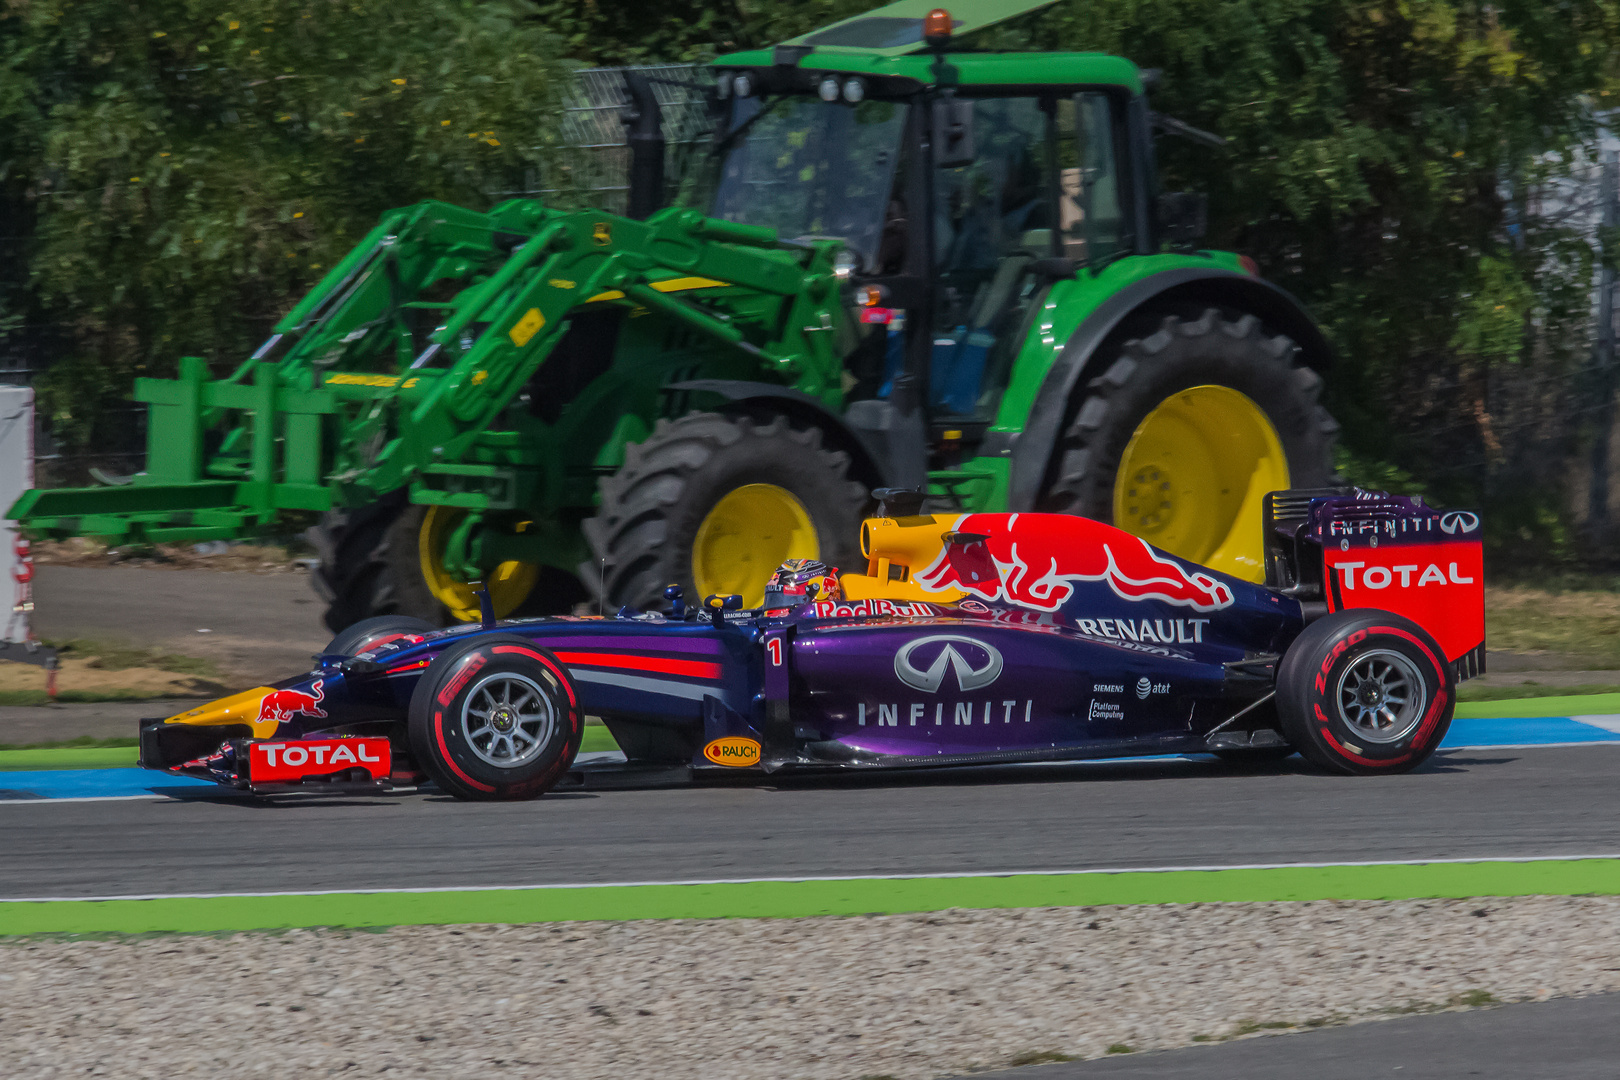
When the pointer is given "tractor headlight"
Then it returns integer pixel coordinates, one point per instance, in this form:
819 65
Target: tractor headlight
844 264
854 91
828 88
743 86
722 85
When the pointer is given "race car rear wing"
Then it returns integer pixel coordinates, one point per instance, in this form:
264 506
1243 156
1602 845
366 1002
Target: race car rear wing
1347 548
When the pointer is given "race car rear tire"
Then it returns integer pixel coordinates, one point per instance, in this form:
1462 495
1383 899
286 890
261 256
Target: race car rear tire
715 503
1182 432
369 633
495 718
1364 692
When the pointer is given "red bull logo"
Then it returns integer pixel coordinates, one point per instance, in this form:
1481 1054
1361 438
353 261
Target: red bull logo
279 706
1033 560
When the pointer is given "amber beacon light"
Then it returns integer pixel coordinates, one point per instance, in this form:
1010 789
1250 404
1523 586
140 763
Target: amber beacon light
937 28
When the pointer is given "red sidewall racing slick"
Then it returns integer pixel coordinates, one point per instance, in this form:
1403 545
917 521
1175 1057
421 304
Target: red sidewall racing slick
370 633
1365 692
495 718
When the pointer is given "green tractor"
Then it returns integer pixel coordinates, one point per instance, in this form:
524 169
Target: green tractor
898 266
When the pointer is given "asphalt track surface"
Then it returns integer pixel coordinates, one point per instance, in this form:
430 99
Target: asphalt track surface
1500 802
1572 1039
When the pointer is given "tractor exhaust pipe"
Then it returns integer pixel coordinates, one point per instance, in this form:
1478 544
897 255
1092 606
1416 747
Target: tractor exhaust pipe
644 119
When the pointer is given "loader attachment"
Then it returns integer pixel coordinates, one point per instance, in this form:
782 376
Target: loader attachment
399 370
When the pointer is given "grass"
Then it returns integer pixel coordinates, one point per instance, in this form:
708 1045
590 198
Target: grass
1531 689
1579 626
1121 1048
76 697
1575 705
110 656
78 757
805 898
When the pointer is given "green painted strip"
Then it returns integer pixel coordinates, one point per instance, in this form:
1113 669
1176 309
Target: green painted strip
124 757
78 757
1568 705
791 899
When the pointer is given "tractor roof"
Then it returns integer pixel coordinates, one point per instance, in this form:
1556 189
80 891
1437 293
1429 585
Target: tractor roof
897 28
888 41
972 69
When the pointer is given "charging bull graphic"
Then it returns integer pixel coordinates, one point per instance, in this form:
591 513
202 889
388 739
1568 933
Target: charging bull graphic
1030 559
282 705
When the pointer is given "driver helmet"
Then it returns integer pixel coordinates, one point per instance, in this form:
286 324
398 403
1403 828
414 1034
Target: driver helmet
792 580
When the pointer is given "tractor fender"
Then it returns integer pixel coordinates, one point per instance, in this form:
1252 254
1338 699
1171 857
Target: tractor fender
801 410
1032 451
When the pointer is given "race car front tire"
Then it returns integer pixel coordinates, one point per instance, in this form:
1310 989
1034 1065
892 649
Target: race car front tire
369 633
1364 692
495 718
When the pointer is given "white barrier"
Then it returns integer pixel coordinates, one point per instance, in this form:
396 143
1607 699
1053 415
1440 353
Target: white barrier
16 477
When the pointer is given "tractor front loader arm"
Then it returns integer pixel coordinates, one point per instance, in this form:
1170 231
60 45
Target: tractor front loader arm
404 357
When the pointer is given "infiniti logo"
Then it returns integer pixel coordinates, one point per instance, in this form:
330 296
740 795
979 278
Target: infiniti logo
970 673
1459 520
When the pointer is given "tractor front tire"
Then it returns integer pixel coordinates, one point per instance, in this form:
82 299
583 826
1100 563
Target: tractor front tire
369 564
715 503
1184 431
372 563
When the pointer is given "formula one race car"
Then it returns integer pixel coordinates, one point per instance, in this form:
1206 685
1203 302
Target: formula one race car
970 639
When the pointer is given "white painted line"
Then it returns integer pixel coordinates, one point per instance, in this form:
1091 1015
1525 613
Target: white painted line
87 798
1606 721
804 880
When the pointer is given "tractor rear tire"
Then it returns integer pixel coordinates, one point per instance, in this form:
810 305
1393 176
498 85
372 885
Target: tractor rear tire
1183 432
371 565
714 503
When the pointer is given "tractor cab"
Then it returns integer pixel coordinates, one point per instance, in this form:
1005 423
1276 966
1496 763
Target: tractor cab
959 188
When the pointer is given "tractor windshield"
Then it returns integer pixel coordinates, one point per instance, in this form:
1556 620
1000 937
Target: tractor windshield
808 167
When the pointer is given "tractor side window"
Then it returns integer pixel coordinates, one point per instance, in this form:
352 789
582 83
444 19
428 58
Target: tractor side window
1092 218
992 219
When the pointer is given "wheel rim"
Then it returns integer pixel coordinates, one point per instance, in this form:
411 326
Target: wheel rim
1382 696
747 535
508 720
509 585
1192 479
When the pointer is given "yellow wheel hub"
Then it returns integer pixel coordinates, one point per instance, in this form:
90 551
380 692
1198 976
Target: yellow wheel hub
1194 475
747 535
509 585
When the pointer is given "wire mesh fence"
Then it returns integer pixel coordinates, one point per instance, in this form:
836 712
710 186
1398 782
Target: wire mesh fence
592 164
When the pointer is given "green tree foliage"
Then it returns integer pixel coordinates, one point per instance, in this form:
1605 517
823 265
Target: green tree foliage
610 32
194 164
1383 158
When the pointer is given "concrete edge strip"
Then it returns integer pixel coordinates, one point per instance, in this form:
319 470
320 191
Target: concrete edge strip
827 896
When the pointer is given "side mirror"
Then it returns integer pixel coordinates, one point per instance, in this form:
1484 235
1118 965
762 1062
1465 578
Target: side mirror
952 134
677 605
1183 218
718 604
